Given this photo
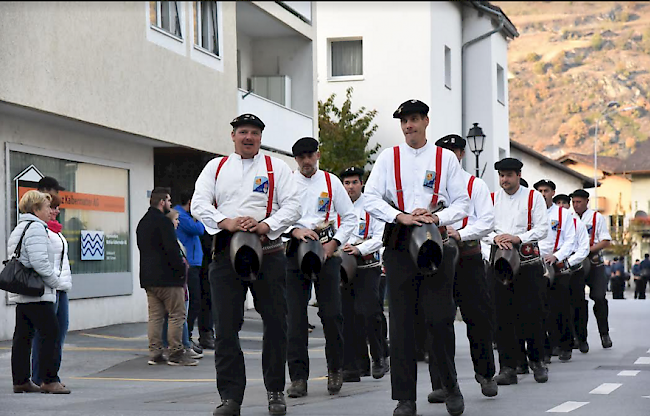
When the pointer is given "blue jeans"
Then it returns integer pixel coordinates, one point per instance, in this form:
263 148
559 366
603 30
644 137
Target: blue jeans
186 333
62 316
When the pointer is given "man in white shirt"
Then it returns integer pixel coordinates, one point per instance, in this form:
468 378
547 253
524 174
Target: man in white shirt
360 297
599 239
322 197
577 281
470 285
521 222
250 192
556 249
408 183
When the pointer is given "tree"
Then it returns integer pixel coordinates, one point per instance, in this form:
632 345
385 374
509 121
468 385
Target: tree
344 135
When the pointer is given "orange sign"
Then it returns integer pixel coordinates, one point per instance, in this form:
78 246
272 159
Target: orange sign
88 202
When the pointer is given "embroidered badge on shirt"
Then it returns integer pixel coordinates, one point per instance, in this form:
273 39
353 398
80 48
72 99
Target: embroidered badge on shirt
554 224
429 179
261 184
362 228
589 227
323 202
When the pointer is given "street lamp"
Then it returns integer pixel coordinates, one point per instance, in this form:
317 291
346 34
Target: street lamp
612 108
475 139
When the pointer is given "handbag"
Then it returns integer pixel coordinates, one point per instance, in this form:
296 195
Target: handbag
16 278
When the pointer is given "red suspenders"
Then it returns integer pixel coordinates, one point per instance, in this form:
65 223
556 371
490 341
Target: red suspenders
269 170
593 231
398 177
559 230
365 233
470 187
329 195
530 209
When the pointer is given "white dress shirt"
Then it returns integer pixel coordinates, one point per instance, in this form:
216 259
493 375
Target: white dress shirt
566 243
602 232
511 216
374 240
418 173
314 201
581 246
481 219
240 191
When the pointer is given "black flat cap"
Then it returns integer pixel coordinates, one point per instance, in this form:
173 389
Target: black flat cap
411 107
451 142
523 182
561 198
247 119
580 193
352 171
49 182
544 182
304 145
508 163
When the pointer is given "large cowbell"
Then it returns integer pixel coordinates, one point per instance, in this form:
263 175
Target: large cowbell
425 247
549 272
311 256
246 254
506 265
348 267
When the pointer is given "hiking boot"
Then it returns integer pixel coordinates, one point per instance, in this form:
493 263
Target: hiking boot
555 352
488 386
506 377
584 347
28 387
298 388
540 371
206 342
351 376
437 396
565 356
54 388
405 408
227 407
182 358
334 381
454 401
547 359
277 405
606 341
379 368
158 359
523 369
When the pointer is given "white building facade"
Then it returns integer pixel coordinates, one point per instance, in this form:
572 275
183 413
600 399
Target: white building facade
450 55
102 95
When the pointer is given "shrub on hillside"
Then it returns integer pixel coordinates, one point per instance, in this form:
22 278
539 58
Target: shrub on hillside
533 57
539 68
597 42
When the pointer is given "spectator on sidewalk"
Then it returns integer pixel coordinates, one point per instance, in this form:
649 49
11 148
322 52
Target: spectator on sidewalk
617 280
645 271
189 232
62 265
162 276
639 282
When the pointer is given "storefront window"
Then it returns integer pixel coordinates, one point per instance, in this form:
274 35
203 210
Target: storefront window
94 209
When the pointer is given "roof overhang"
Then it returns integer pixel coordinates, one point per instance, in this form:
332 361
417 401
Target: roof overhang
509 30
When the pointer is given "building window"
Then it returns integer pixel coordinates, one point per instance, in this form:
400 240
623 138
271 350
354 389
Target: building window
346 58
206 31
447 67
165 15
501 85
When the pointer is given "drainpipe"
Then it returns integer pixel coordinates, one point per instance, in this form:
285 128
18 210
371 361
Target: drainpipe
462 58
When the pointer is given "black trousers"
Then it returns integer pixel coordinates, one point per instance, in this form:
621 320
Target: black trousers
578 304
406 288
472 297
639 287
328 295
384 322
617 283
520 315
362 319
597 282
30 317
204 320
559 323
228 295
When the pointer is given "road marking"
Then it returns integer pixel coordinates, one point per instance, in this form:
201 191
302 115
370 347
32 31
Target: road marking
629 373
643 360
567 407
196 380
114 337
65 348
605 388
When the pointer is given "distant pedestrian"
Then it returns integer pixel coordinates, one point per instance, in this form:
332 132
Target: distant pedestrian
162 276
645 270
639 282
617 279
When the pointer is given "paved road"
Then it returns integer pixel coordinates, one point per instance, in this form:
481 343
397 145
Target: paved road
107 370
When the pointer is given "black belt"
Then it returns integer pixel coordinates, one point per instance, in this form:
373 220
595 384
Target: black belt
469 248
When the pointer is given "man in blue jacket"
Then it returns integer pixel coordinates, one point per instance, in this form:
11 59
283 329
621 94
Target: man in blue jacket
189 233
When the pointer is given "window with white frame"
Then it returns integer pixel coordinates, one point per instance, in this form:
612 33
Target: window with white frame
447 67
206 30
346 58
165 15
501 85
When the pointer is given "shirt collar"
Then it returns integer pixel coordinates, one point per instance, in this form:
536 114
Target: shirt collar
419 151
